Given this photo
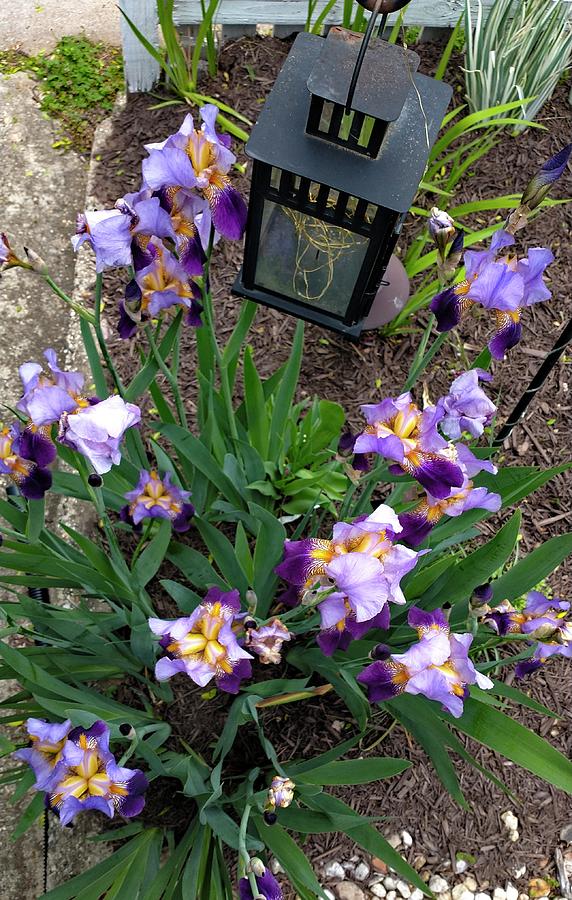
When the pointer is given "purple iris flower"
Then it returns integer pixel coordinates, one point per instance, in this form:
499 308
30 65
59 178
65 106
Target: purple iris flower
266 641
97 431
108 252
48 395
160 284
156 497
24 456
466 407
541 619
397 430
358 572
47 740
437 666
501 284
267 886
204 645
305 561
198 161
87 776
531 270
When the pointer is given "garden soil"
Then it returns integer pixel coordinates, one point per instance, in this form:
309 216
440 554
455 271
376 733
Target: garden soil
365 372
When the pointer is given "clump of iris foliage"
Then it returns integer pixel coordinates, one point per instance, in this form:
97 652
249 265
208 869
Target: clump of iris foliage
383 604
78 80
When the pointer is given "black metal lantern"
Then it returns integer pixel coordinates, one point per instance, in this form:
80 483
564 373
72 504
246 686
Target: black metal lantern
338 153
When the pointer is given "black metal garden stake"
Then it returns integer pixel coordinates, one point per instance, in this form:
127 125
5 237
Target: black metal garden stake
338 152
535 384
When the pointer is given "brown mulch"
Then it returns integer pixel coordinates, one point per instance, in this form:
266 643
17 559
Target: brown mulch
348 373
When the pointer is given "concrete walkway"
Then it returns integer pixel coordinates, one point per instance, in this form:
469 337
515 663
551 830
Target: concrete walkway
41 191
36 25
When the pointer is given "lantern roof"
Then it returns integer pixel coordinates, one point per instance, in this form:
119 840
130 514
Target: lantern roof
384 79
391 180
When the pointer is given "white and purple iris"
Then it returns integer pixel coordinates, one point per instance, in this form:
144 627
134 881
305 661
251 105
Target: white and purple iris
466 407
204 645
358 573
436 666
198 161
544 620
77 771
156 497
500 283
95 428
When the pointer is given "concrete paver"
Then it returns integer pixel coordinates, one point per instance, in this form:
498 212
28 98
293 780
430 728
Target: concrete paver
36 25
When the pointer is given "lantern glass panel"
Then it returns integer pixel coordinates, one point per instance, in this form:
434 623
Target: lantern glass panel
308 259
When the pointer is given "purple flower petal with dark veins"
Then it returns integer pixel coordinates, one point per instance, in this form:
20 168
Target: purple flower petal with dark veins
509 330
426 623
447 307
126 327
230 682
378 679
416 526
476 260
436 474
527 667
48 740
228 209
169 166
361 579
35 485
192 256
37 446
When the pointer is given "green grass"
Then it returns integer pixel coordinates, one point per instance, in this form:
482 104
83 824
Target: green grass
78 82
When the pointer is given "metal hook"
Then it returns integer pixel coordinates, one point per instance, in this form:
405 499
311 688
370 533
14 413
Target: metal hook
386 7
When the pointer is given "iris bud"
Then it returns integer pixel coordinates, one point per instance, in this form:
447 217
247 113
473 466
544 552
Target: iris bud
95 480
381 652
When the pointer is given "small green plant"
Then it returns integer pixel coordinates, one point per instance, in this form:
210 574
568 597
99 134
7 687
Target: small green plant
79 80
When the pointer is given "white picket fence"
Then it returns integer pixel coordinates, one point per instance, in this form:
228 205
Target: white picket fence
242 16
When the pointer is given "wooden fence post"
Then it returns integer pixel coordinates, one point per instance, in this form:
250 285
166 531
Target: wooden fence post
141 70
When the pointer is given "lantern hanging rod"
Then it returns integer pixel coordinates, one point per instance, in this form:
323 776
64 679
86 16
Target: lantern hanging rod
535 384
375 6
